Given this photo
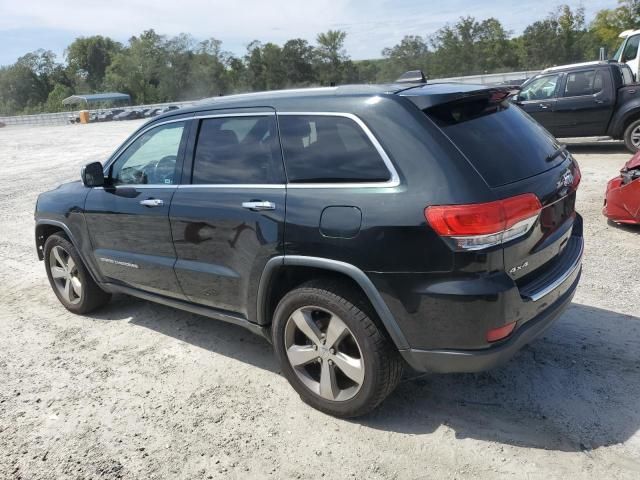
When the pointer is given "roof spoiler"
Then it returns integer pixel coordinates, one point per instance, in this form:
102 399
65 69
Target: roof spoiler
412 76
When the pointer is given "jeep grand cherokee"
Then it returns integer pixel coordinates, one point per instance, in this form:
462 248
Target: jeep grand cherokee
361 229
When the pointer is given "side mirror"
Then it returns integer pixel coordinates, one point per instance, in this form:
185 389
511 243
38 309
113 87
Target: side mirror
92 175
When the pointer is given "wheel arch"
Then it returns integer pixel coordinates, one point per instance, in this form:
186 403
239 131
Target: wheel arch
277 265
46 227
623 118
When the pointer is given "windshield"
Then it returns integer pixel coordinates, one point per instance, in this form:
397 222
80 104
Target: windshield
618 54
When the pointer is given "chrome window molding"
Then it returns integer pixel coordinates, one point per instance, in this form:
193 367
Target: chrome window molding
121 150
231 185
393 181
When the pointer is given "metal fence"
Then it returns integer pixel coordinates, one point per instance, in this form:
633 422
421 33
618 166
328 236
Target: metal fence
63 118
489 78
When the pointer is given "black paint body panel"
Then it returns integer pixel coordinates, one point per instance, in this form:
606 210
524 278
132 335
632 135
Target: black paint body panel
202 248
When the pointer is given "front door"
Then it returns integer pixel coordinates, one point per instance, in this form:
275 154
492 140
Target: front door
228 216
128 219
538 99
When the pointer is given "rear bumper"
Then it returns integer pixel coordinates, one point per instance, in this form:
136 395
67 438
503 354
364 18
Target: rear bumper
450 361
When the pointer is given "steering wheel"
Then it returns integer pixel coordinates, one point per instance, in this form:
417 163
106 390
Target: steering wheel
162 170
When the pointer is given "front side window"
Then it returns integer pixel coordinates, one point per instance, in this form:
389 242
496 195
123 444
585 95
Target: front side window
627 75
151 158
586 82
542 88
237 150
329 149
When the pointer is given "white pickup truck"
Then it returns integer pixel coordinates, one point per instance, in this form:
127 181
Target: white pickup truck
628 50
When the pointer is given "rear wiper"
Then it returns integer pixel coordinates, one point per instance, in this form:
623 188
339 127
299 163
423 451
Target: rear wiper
552 156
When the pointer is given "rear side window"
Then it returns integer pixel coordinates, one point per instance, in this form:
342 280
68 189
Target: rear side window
501 141
237 150
329 149
586 82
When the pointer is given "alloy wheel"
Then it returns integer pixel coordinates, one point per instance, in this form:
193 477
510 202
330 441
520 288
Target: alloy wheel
324 353
635 137
64 272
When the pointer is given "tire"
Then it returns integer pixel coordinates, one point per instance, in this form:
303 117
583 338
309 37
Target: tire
362 350
629 136
67 282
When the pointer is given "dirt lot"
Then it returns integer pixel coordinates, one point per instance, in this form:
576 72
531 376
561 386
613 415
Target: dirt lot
139 390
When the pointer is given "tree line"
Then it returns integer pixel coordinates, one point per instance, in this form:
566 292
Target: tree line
154 68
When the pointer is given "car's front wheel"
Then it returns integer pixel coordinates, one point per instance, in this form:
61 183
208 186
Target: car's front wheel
69 278
331 351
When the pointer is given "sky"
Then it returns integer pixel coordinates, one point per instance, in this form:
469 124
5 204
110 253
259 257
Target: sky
371 25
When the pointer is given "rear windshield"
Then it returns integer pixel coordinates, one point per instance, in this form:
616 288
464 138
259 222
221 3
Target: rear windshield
501 141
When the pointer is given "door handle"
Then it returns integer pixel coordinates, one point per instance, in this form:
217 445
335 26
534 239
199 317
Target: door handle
543 106
152 202
259 205
599 101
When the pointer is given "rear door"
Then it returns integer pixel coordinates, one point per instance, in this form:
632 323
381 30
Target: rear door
227 217
538 99
128 219
585 104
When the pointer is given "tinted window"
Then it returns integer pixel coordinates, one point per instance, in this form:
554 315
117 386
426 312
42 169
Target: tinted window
541 88
585 82
329 149
502 142
237 150
151 158
631 48
627 75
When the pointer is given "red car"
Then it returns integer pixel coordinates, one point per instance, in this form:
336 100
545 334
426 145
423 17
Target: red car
622 200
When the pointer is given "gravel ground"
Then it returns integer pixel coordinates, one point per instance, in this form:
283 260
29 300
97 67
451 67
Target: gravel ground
139 390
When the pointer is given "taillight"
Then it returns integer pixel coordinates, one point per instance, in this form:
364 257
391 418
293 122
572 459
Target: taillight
481 225
577 176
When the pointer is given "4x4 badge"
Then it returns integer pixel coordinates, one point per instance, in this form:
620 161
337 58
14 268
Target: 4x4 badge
518 268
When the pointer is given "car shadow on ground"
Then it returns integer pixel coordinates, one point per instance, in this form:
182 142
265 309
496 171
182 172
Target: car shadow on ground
625 227
575 389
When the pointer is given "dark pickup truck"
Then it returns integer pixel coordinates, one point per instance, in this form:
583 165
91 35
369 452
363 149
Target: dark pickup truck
585 100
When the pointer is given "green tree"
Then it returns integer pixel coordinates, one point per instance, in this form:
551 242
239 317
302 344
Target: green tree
297 62
609 23
412 53
89 57
330 57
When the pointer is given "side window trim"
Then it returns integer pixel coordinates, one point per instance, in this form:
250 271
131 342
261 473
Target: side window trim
394 178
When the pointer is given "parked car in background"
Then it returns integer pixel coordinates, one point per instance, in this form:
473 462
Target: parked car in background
627 52
151 112
585 100
622 198
166 109
128 115
432 226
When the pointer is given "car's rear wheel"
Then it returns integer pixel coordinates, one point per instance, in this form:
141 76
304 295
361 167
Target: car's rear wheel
632 136
332 352
69 278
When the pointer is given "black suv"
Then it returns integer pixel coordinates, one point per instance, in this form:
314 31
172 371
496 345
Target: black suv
359 228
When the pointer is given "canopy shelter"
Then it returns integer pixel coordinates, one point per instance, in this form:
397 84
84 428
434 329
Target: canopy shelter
94 98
